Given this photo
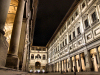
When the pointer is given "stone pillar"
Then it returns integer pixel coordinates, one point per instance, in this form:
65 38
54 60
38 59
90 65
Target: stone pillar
66 65
61 65
70 64
75 63
80 63
98 58
52 67
12 59
58 66
88 60
4 6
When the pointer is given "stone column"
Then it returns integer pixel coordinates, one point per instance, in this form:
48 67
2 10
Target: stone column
70 64
58 66
75 62
66 65
12 59
61 65
88 60
52 67
80 63
98 58
4 6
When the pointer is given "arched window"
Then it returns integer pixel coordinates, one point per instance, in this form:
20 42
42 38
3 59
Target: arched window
38 56
32 56
43 57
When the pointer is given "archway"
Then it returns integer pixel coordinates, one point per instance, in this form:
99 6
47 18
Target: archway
37 65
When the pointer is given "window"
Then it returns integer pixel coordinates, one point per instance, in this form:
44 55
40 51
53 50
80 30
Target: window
89 36
72 19
68 23
83 5
64 27
78 30
43 57
39 49
32 56
89 0
66 41
94 17
76 13
32 48
58 48
86 23
44 49
74 34
63 43
69 37
38 56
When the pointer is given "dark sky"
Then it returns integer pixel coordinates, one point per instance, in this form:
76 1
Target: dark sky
49 15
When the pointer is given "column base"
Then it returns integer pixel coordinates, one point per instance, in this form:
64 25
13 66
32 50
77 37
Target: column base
99 69
80 70
12 62
3 50
88 69
70 70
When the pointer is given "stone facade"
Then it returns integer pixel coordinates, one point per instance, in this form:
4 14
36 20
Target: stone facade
38 54
75 44
16 32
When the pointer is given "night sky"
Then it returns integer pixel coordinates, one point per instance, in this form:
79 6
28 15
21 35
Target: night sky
49 15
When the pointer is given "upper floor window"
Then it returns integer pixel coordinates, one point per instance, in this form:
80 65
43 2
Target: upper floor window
88 0
94 16
44 49
63 43
68 23
38 56
78 30
32 56
83 4
74 34
86 23
58 48
76 13
43 57
72 18
69 37
66 41
39 49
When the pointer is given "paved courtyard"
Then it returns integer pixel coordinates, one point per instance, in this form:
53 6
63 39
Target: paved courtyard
9 72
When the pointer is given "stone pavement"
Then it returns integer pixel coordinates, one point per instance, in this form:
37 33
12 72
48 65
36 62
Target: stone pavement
9 71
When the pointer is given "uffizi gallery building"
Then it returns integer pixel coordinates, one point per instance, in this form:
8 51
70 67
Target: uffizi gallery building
75 45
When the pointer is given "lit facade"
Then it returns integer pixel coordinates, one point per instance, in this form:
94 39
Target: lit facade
38 59
16 32
76 42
